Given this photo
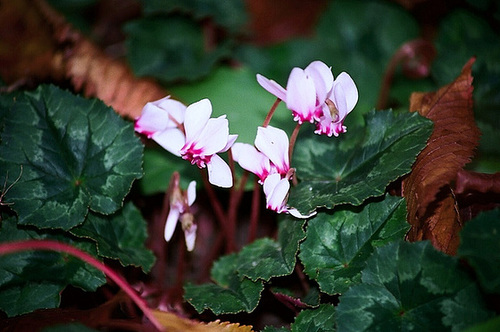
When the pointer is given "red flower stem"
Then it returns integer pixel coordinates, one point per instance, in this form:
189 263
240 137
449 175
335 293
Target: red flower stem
271 112
219 213
255 214
18 246
293 138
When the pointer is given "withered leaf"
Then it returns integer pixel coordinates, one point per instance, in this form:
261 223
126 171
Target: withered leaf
450 147
174 323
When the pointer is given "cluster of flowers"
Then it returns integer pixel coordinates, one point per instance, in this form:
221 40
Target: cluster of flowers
312 94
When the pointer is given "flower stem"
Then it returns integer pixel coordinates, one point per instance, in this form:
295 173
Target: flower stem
293 138
271 112
17 246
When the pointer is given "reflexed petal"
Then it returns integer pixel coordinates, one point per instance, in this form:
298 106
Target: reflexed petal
173 217
175 108
191 192
273 142
214 136
339 99
276 191
219 173
190 236
350 90
171 140
250 159
294 212
272 87
196 118
152 119
230 141
301 94
322 77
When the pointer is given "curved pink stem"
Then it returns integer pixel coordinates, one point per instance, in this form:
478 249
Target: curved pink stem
17 246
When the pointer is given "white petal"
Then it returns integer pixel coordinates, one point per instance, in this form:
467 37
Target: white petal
190 236
214 136
196 118
250 159
175 108
350 90
152 119
171 140
219 173
339 98
301 94
276 192
191 192
294 212
230 141
273 142
173 217
322 77
272 87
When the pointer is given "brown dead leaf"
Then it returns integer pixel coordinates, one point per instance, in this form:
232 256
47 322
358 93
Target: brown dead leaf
450 147
174 323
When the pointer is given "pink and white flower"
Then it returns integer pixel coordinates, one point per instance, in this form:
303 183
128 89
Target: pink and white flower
180 201
313 95
190 133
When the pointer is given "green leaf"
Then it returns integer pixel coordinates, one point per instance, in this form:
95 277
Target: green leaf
119 236
266 258
228 13
320 319
235 92
75 154
338 244
230 294
275 329
480 247
492 325
31 280
70 327
170 48
410 286
348 170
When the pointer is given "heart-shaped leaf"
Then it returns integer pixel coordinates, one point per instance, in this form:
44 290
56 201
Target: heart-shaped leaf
319 319
73 154
348 170
338 244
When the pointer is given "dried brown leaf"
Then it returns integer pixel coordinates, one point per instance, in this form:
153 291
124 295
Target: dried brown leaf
450 147
174 323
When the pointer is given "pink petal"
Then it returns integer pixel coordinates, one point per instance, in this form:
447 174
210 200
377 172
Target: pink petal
339 99
213 137
171 140
322 77
350 90
250 159
196 118
173 217
191 192
230 141
219 173
175 108
301 95
272 87
276 191
273 142
190 236
152 120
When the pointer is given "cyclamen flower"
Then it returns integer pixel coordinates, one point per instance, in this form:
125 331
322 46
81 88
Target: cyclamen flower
179 211
205 137
268 159
313 95
190 133
161 121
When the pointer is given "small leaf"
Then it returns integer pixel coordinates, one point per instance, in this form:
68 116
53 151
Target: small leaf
229 294
480 247
119 236
266 258
320 319
405 284
348 170
338 244
450 147
75 154
34 279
